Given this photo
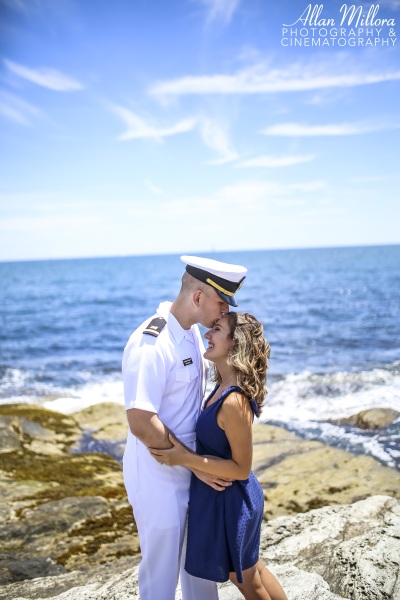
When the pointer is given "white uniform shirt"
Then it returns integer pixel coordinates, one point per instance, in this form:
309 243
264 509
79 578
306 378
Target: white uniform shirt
166 374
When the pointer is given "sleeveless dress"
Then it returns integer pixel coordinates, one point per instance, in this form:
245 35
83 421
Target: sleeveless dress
223 527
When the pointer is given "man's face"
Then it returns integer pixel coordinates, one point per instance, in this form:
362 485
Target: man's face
212 308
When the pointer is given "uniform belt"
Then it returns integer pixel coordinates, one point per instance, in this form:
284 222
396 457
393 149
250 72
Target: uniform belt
185 438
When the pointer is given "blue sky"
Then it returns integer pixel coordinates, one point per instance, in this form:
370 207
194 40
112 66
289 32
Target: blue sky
149 126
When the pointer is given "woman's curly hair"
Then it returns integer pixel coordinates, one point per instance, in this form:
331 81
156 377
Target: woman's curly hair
248 356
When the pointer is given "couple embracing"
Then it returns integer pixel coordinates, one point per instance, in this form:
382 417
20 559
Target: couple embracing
187 464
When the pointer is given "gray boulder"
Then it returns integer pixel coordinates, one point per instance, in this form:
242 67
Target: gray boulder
354 548
372 418
334 553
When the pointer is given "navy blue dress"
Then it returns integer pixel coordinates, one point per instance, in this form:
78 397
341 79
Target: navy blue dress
223 527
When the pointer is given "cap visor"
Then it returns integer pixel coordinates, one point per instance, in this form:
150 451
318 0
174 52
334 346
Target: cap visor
228 299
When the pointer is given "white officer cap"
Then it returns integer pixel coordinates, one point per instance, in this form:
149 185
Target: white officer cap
225 278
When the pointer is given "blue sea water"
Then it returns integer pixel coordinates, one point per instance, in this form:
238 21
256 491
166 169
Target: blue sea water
332 317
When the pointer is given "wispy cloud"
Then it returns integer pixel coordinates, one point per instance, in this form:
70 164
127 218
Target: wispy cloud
392 4
212 132
263 190
37 222
48 78
30 6
220 10
275 161
302 130
17 5
215 136
17 110
138 128
254 195
261 79
326 96
153 188
369 179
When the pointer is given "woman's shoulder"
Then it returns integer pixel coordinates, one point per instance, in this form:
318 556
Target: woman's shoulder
235 391
236 409
236 399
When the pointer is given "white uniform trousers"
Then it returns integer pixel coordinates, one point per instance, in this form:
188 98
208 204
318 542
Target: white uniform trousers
159 496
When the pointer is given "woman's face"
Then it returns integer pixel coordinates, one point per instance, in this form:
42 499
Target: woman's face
219 341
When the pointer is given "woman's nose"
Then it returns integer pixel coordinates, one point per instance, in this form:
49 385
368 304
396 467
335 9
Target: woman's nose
207 335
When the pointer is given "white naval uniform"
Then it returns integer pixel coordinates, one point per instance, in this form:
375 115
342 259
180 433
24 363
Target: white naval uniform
164 375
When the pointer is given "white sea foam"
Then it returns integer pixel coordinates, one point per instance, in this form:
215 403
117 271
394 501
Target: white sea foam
14 378
302 402
107 390
364 442
305 401
309 397
18 387
303 397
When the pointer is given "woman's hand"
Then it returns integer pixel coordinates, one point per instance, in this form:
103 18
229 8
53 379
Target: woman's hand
171 456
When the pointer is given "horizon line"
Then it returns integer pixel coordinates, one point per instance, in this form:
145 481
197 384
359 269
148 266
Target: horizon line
198 253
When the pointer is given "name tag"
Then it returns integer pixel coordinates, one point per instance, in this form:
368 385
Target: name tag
187 361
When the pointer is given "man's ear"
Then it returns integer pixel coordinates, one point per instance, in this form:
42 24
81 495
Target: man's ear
196 298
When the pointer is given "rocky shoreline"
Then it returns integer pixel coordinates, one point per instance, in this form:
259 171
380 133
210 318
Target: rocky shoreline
66 522
333 553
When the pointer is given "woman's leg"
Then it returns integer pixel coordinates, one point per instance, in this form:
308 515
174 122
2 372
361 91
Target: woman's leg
270 583
252 587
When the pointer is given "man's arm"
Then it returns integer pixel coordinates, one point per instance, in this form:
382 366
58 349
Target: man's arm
236 420
148 428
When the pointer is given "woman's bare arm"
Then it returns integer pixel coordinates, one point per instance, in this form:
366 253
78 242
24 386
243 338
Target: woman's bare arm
235 417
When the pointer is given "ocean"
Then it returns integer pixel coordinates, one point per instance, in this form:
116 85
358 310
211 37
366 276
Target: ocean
332 317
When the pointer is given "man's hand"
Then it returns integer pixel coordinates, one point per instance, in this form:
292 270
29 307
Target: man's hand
213 481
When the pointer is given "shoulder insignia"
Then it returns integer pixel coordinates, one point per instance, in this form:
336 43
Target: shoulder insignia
155 326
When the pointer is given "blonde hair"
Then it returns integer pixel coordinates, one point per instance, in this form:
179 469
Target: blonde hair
248 356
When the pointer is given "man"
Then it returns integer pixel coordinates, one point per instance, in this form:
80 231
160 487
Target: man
164 381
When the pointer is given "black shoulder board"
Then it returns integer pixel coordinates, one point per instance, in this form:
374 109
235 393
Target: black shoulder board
155 326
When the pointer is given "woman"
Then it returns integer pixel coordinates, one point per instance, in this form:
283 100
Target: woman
224 527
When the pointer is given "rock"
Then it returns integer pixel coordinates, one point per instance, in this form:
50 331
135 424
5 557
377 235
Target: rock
105 427
9 439
373 418
298 585
60 511
106 420
355 548
298 475
33 424
48 587
332 553
5 512
72 532
65 514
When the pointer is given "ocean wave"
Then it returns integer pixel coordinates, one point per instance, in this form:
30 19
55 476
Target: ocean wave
24 385
107 390
296 397
383 445
312 397
303 403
